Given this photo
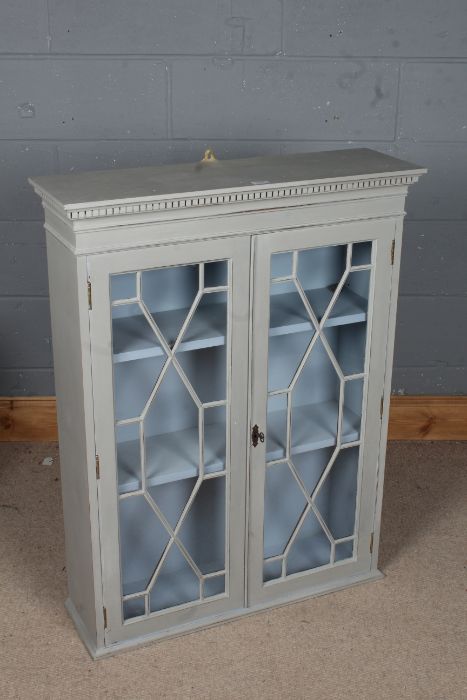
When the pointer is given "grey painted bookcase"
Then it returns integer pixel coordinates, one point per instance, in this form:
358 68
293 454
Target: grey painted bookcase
222 337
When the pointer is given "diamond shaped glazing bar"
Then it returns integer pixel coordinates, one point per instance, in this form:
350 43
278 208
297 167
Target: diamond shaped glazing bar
173 534
309 507
217 580
363 260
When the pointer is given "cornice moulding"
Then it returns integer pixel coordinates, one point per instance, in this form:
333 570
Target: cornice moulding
145 205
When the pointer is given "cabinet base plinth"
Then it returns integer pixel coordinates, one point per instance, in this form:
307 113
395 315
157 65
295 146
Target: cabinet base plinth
129 644
94 652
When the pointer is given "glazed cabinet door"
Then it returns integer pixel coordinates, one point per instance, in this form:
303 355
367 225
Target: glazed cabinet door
169 329
320 321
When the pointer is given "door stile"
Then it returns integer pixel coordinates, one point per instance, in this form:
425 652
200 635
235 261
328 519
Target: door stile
258 388
247 440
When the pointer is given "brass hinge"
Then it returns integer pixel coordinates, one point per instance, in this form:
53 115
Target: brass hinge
98 468
372 537
393 248
89 294
381 407
104 610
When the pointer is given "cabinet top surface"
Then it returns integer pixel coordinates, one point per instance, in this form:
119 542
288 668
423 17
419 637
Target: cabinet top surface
123 186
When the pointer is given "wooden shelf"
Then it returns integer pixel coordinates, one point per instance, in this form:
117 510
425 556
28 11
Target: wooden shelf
171 457
134 339
174 456
313 428
288 314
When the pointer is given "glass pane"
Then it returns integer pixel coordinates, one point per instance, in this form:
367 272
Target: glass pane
276 429
176 584
353 404
320 271
348 343
203 531
215 274
135 607
315 403
128 457
344 550
132 336
214 439
214 585
166 502
206 370
284 503
290 333
138 360
123 286
288 313
142 542
281 265
133 383
351 305
172 497
311 547
168 294
317 358
272 569
171 432
346 327
311 465
285 354
361 253
208 326
202 353
337 496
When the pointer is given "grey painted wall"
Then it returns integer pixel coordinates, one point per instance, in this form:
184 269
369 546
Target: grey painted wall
87 84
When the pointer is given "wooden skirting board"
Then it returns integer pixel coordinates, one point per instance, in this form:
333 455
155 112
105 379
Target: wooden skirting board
33 419
28 419
428 418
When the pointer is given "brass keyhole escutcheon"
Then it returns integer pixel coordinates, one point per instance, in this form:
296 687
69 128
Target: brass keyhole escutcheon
256 436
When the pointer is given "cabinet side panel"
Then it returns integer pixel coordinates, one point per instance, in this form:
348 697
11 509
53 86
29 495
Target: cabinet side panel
68 347
398 228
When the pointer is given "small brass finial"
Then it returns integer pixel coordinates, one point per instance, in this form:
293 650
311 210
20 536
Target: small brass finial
209 156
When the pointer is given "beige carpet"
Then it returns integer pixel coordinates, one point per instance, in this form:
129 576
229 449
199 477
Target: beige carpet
403 637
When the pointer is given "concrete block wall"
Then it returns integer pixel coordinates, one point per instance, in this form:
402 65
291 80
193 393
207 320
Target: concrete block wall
86 85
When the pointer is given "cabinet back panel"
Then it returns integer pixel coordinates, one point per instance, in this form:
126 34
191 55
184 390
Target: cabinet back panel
318 380
321 267
348 344
164 289
133 382
359 282
336 499
172 408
